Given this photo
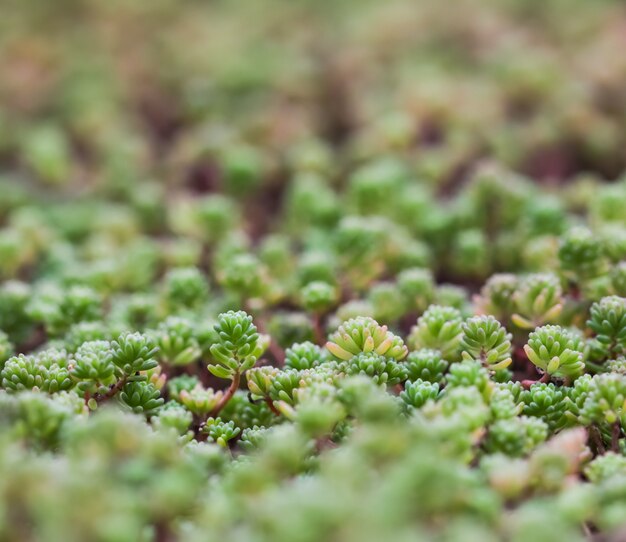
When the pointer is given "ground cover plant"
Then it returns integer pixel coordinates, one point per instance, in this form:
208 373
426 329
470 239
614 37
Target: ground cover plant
312 271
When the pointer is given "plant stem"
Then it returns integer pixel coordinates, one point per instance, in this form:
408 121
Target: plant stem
100 397
234 386
162 532
544 380
616 433
318 333
271 406
596 438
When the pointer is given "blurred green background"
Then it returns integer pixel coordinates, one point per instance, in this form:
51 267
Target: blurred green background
102 93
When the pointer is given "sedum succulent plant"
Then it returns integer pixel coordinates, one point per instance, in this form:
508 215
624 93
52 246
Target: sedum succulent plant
310 271
556 351
365 335
439 328
485 339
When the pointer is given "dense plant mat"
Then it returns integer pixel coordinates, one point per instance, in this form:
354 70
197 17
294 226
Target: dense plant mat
312 271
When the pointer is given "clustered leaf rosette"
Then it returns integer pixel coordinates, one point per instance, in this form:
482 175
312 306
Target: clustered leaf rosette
469 373
176 341
173 417
243 275
219 431
259 380
58 309
305 355
92 367
504 404
618 279
417 393
538 300
36 372
581 254
606 467
184 288
239 344
516 436
417 285
497 296
556 351
141 397
285 386
200 401
548 402
365 335
132 354
608 321
388 303
319 296
486 340
381 369
605 400
439 328
426 364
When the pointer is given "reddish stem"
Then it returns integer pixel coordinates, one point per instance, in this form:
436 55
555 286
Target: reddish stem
100 397
234 386
544 380
596 438
271 406
318 332
616 433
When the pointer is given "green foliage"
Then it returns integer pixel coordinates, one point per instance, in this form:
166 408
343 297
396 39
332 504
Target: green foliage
547 402
516 436
219 431
427 365
184 288
387 300
556 351
173 417
6 348
259 380
176 340
604 402
93 367
504 404
319 296
57 309
606 467
132 353
418 392
304 355
469 373
608 322
439 328
302 271
417 285
199 401
496 296
381 369
285 386
365 335
581 254
538 300
34 372
238 345
141 397
485 339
